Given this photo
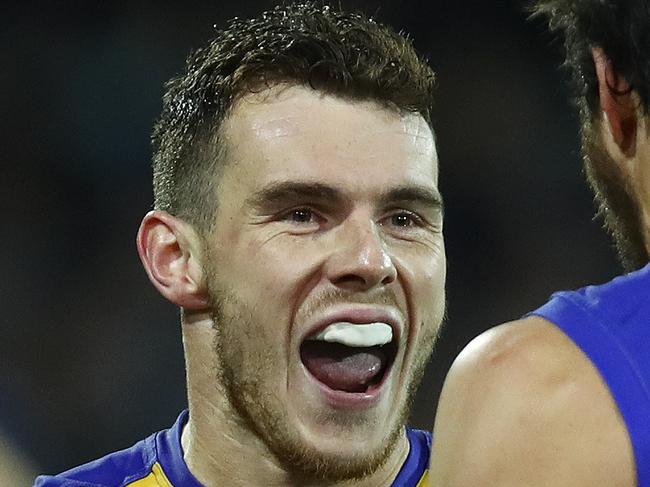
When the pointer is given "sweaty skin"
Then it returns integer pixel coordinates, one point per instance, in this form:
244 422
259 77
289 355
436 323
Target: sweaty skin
523 406
328 212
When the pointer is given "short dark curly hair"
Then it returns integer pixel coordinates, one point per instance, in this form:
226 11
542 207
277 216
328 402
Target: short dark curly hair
344 54
620 27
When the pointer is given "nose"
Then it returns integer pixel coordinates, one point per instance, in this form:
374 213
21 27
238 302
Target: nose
360 260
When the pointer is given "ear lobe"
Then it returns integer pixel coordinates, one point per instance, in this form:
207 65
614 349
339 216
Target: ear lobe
171 255
617 102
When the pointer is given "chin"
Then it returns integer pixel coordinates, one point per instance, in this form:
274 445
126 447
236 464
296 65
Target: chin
337 458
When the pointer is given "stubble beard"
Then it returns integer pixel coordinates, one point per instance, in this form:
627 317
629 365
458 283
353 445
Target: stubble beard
620 211
260 410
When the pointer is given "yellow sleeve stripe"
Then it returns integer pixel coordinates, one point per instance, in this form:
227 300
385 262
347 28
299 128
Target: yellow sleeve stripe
156 478
424 480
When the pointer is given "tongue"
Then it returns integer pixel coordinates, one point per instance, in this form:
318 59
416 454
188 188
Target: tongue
349 369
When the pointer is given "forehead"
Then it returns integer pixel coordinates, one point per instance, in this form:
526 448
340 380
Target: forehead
298 133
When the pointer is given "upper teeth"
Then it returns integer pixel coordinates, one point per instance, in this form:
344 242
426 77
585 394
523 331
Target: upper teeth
356 335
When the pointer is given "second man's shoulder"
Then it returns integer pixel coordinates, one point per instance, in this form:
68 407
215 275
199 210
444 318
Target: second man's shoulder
522 403
531 350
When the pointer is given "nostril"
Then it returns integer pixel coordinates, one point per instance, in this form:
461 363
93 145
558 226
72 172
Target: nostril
358 281
352 281
388 279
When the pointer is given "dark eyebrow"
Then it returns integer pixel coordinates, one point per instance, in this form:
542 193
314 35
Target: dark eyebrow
276 193
422 195
284 191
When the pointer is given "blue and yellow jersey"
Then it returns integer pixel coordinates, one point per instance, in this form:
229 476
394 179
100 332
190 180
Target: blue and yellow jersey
158 462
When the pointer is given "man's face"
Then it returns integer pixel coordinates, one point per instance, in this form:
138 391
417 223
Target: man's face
329 212
617 206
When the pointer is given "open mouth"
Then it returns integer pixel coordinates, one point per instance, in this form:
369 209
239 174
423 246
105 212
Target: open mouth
348 357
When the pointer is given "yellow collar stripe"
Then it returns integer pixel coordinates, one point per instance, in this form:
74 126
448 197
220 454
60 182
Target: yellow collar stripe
424 480
156 478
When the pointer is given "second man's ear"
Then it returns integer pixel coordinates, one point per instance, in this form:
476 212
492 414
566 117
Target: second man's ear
617 102
170 252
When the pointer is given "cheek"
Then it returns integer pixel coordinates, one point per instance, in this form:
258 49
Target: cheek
644 182
438 273
282 262
427 269
425 276
438 277
268 279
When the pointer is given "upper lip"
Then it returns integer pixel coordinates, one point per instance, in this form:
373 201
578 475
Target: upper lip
357 313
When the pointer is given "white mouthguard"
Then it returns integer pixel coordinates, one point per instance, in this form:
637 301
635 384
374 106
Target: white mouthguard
356 335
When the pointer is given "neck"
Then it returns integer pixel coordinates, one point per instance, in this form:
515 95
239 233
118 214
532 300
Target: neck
219 447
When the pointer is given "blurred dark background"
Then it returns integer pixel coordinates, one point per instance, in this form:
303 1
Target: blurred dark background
90 354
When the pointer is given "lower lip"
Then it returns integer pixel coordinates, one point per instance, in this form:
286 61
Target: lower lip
351 400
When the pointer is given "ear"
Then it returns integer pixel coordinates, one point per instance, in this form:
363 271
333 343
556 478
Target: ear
171 253
618 102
